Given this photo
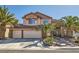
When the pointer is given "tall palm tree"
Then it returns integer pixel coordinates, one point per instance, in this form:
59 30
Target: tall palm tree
71 23
6 18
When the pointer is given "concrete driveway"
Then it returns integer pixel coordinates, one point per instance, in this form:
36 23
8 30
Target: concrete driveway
16 43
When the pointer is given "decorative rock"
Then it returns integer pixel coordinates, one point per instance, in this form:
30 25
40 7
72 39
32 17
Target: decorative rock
35 42
39 44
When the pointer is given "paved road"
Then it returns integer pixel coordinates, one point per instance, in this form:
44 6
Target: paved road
62 50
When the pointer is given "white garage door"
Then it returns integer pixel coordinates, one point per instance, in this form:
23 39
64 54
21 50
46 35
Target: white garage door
32 34
17 34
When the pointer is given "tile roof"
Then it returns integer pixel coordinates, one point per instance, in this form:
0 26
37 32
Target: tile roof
27 26
41 15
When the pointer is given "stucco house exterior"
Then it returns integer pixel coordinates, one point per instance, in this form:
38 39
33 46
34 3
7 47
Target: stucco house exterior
31 27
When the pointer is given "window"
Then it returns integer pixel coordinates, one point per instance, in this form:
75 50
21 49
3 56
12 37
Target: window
45 21
31 21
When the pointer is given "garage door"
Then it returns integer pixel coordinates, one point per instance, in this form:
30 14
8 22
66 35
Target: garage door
17 34
32 34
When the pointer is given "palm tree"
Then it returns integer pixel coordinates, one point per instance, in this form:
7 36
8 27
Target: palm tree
59 24
47 34
47 28
44 30
71 23
6 18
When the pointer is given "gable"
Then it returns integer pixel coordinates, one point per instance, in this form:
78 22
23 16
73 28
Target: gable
30 15
43 16
37 15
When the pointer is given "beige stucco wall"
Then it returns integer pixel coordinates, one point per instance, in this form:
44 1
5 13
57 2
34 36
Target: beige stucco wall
25 21
7 33
38 20
31 15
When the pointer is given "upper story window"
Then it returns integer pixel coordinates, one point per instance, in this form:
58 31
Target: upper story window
32 21
45 21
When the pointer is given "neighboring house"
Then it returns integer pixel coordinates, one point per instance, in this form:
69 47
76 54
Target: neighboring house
31 27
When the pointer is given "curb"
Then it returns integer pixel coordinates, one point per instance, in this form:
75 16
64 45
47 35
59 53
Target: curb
52 48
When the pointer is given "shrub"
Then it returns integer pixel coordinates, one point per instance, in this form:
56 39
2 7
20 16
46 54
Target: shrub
48 41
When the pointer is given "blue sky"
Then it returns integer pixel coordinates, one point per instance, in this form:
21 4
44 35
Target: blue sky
55 11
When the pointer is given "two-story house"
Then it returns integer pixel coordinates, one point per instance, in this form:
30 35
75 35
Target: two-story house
31 27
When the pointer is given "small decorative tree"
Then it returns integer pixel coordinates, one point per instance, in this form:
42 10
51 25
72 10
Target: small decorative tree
48 39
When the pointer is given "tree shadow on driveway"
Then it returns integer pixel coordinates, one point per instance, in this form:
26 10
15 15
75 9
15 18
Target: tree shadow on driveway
17 40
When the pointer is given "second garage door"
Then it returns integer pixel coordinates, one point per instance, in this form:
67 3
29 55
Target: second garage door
32 34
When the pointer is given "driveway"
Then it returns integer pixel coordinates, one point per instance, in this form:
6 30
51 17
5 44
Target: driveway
30 43
17 43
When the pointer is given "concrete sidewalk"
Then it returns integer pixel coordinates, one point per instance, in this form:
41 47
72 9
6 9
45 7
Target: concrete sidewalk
38 48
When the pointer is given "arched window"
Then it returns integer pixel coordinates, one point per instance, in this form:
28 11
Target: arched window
31 21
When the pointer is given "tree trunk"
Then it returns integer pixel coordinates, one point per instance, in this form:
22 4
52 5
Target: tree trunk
2 32
7 33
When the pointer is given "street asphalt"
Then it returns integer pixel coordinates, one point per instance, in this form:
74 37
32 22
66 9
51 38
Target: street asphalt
61 50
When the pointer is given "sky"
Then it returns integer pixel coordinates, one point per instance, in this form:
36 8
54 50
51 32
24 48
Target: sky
55 11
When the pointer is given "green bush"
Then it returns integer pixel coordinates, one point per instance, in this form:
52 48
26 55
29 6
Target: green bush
48 41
